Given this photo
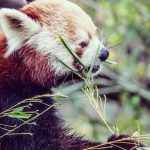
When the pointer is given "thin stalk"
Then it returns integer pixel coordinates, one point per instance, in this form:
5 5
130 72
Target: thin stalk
92 99
28 121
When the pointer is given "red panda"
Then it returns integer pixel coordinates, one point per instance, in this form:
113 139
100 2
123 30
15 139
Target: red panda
28 65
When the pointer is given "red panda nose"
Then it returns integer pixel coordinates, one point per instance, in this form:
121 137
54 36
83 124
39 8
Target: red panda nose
104 54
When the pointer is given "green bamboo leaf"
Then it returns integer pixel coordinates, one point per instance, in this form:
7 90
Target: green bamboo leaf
20 115
17 110
74 71
85 85
110 62
17 113
93 63
75 56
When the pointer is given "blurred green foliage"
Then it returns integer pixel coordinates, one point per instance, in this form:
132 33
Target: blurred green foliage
126 24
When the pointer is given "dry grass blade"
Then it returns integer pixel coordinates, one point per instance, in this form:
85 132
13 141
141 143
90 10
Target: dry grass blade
129 140
113 143
28 121
97 104
36 99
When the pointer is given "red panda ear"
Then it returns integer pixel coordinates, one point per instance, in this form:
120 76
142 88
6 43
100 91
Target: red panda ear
17 27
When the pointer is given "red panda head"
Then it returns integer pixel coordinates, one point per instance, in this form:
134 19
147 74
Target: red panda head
32 34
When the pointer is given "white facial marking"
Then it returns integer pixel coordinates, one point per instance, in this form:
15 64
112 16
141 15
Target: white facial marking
17 28
91 51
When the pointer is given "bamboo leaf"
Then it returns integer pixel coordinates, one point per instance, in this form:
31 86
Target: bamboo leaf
74 71
20 115
93 63
17 110
85 85
110 62
75 56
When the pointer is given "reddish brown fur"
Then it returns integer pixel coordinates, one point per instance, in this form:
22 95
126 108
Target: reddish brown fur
35 12
9 68
79 52
22 67
43 13
76 65
40 12
39 67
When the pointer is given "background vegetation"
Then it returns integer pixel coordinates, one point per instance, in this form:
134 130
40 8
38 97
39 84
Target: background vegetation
125 28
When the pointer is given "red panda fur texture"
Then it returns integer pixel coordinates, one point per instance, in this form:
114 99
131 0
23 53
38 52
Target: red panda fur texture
28 45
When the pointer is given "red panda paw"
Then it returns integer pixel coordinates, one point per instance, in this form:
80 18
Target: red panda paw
126 142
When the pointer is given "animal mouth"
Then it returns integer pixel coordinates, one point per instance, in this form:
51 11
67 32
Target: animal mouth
95 69
101 58
71 77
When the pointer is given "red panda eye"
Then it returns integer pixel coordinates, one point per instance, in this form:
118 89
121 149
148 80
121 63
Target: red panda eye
83 44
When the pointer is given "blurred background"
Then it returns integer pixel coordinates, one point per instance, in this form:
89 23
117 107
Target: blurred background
125 28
